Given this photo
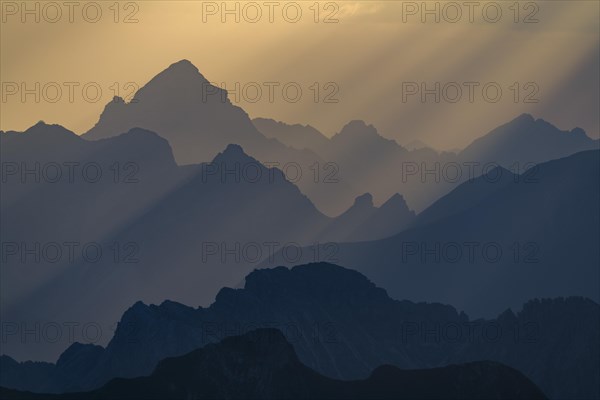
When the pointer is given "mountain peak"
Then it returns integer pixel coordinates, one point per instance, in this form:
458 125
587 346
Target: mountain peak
395 201
183 66
525 117
321 280
51 132
179 83
233 153
358 128
364 200
579 132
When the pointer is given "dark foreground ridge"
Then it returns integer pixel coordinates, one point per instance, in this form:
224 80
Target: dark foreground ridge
342 326
263 364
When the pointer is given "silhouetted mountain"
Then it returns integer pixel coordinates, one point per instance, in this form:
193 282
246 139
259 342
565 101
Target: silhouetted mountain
533 236
180 104
421 174
262 364
526 140
63 193
364 221
206 224
469 195
343 326
30 375
199 120
297 136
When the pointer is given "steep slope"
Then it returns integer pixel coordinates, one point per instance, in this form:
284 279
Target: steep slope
469 194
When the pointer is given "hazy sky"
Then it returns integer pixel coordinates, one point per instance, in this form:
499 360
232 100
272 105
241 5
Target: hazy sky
369 56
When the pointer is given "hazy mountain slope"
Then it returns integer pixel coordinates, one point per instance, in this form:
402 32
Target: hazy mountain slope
199 120
422 175
534 237
525 141
297 136
154 230
364 221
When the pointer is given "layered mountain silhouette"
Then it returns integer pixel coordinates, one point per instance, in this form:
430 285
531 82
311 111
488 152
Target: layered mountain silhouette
180 195
262 364
495 242
420 173
525 141
364 221
199 120
342 326
206 224
180 104
297 136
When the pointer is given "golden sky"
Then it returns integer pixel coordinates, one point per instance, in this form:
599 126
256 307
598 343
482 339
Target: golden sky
366 55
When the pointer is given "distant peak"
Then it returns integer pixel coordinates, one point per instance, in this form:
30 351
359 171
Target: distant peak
42 128
364 200
183 69
233 153
234 149
358 127
182 75
396 200
138 306
578 132
183 65
524 118
356 123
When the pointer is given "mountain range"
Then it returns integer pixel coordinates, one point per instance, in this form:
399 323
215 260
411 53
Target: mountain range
82 217
177 196
422 174
199 120
262 364
495 241
342 326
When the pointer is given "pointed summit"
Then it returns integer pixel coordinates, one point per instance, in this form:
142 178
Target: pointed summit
523 119
182 69
396 202
182 106
179 84
233 153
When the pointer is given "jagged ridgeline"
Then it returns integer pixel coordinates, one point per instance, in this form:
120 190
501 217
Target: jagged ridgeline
341 326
